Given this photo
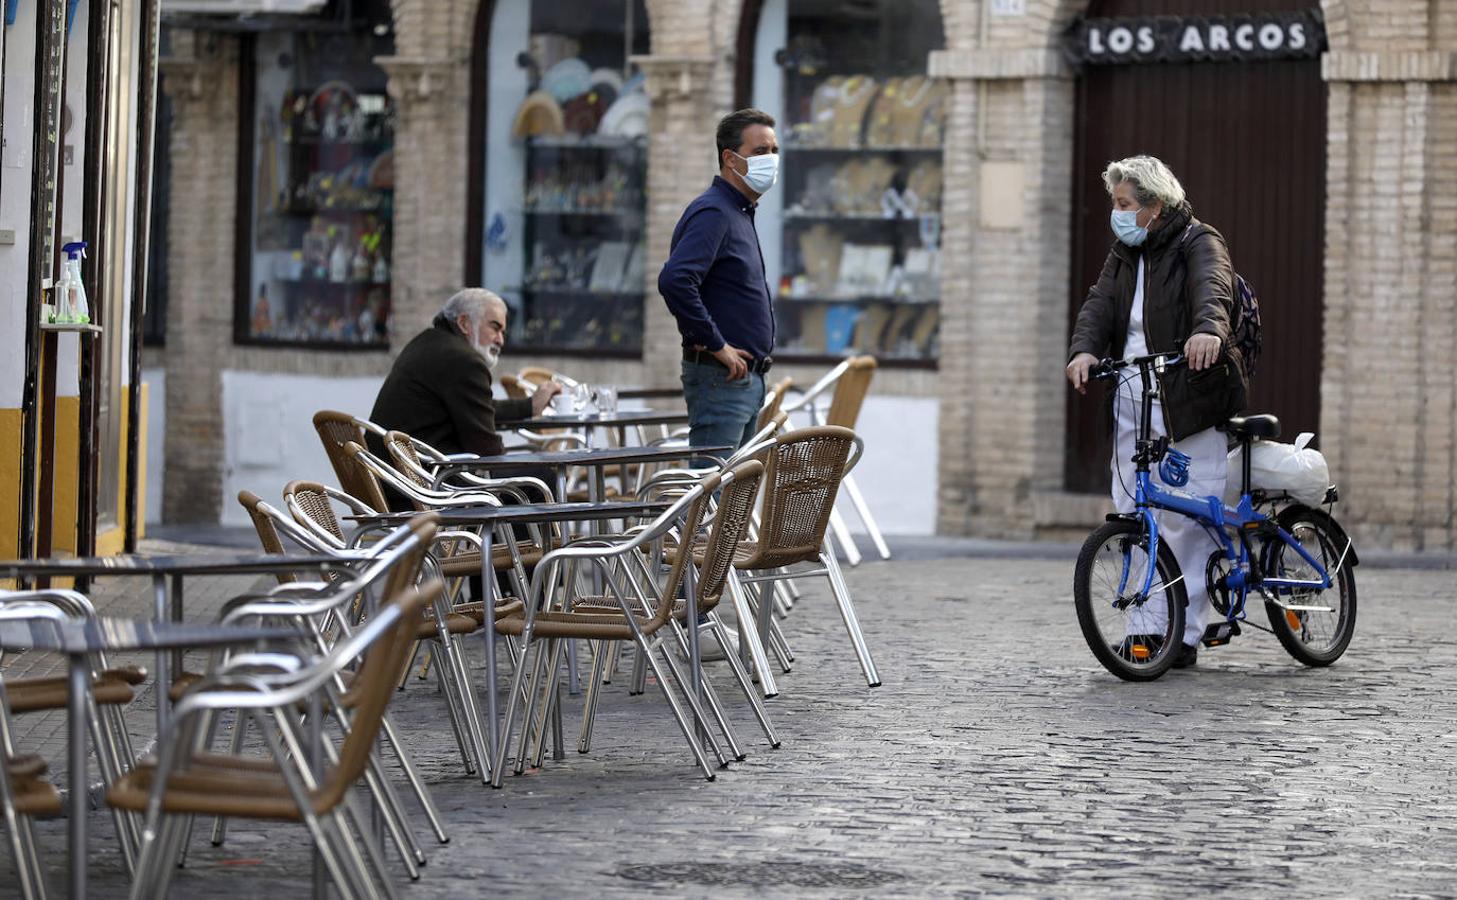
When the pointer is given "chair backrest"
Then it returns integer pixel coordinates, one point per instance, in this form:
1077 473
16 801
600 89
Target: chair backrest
850 392
533 377
402 450
267 531
773 400
801 481
513 387
311 506
730 526
336 429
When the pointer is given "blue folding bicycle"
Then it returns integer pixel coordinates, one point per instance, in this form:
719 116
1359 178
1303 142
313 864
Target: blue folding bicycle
1295 556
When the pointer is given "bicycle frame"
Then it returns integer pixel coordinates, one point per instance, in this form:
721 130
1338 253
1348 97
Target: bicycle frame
1210 512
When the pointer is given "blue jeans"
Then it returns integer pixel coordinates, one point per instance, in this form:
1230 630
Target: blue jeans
720 412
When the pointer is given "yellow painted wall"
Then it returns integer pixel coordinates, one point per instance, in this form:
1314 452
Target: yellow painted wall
66 444
10 429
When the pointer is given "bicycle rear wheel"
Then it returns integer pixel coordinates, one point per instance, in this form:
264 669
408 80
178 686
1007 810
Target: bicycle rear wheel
1314 636
1137 640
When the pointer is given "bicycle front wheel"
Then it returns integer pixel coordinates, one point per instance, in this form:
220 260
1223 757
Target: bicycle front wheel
1136 638
1315 624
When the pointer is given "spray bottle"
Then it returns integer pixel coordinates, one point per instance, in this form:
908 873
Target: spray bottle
70 292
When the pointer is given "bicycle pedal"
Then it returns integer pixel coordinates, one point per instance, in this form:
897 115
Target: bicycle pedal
1220 633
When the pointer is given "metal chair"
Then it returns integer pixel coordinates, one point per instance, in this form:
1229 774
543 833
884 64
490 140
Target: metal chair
283 786
805 469
24 794
557 611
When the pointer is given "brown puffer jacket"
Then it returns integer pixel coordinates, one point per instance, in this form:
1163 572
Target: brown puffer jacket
1188 289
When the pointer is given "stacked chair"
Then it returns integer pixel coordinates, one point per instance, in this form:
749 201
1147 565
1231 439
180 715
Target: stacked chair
847 384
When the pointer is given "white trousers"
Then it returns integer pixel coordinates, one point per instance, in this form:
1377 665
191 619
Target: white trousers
1190 543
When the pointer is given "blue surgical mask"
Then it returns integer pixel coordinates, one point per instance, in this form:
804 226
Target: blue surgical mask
1126 227
763 172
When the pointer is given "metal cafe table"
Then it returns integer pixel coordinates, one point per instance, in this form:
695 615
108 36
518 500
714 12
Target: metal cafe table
78 640
167 603
590 422
487 518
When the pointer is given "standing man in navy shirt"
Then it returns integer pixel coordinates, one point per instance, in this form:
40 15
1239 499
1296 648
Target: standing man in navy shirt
714 285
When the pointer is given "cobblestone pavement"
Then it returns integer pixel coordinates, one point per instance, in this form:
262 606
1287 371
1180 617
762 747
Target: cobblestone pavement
997 759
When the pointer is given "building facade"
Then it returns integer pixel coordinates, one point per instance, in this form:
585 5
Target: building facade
1316 137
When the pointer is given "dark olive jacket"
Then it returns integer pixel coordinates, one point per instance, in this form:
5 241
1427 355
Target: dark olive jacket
1188 289
439 390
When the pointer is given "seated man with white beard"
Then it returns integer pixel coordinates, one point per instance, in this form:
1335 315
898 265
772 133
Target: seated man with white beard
439 389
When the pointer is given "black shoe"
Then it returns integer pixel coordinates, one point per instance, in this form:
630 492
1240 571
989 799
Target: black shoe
1188 656
1138 647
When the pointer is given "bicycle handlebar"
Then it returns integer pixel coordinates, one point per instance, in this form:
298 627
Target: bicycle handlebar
1108 368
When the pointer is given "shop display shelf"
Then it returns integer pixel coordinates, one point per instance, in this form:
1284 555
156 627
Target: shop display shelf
537 290
587 142
584 213
346 285
854 217
888 148
859 300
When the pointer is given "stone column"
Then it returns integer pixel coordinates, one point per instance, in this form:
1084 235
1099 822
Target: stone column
680 164
431 95
201 78
1388 418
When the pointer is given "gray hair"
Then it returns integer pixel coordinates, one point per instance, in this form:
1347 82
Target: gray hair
471 303
1150 178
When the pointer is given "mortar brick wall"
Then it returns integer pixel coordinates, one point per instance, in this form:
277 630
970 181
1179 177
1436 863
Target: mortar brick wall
1389 417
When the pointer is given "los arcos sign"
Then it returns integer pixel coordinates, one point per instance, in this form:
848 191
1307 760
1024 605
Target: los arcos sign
1175 39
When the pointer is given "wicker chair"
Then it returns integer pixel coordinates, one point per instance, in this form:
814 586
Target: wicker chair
184 782
554 613
112 689
805 470
327 611
850 381
445 628
336 429
513 387
24 794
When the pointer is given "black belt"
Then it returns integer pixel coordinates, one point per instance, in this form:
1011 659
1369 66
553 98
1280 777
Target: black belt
757 366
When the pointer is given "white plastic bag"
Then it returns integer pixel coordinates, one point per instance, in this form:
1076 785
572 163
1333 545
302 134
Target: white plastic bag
1294 468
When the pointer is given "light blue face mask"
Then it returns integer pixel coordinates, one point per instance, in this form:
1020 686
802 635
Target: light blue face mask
1126 227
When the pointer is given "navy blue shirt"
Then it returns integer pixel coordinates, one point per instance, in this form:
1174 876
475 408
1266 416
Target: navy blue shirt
713 281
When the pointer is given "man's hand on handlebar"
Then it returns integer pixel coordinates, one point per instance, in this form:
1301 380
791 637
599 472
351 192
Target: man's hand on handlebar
1078 371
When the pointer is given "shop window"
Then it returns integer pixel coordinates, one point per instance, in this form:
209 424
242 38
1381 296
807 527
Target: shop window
565 165
320 190
852 235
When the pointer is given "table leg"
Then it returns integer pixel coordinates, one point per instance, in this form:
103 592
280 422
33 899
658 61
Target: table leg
76 777
164 657
574 681
488 601
695 658
176 612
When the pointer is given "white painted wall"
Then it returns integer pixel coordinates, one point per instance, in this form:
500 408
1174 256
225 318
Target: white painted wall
897 476
156 385
269 431
15 168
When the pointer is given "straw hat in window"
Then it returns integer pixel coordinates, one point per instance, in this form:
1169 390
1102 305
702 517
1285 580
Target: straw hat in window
539 114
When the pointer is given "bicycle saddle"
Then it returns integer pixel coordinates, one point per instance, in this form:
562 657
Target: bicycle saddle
1262 426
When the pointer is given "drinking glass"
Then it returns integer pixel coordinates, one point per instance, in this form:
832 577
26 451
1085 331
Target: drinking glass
607 401
581 396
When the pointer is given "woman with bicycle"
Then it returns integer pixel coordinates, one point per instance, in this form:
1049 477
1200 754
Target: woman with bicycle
1167 286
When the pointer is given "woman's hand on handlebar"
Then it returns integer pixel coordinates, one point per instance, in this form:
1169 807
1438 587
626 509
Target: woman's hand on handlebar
1202 350
1079 371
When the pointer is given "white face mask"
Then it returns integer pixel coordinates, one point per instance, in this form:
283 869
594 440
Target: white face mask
763 171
